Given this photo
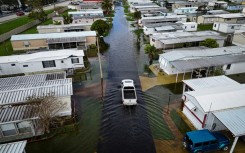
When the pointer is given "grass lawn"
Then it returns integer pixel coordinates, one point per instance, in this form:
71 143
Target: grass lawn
203 27
6 48
10 25
181 125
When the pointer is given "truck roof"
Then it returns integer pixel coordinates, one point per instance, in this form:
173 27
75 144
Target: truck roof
200 136
128 82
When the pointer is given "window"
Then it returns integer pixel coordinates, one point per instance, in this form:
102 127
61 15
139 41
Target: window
214 25
26 44
24 127
74 60
62 61
12 64
232 27
228 67
25 65
8 129
206 143
198 144
47 64
213 142
153 40
228 19
192 26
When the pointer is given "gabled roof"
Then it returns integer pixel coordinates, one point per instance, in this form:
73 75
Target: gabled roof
40 56
14 147
20 93
210 82
219 98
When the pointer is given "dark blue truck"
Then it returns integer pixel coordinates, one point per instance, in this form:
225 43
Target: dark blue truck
200 141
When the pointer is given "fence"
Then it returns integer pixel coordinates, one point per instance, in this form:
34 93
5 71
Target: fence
24 27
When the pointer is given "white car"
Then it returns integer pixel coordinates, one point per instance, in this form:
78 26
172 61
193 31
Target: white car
129 96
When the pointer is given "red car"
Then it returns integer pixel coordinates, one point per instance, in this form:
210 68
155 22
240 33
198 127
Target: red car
20 13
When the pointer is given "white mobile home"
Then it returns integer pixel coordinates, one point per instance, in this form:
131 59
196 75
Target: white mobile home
226 27
183 39
86 16
136 6
64 28
228 59
200 106
13 147
18 92
150 29
162 19
185 10
48 61
189 26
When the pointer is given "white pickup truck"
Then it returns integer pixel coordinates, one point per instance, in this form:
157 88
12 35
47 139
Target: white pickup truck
129 96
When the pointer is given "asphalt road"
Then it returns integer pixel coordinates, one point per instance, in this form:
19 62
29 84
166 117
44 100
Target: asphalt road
13 16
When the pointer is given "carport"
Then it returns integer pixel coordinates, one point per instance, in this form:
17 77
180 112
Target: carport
234 120
206 62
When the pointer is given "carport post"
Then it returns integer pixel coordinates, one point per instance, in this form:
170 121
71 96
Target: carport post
233 145
184 76
177 77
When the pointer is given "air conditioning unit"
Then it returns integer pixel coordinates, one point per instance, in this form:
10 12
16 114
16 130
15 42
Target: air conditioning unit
70 71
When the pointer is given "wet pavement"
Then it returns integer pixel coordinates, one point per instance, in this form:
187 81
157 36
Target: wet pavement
123 129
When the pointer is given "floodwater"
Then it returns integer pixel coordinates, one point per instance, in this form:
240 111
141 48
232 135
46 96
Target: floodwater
108 126
123 129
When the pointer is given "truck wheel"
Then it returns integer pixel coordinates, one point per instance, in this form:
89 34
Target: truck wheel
225 148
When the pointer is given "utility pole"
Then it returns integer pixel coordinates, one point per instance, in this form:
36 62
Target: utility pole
101 73
169 96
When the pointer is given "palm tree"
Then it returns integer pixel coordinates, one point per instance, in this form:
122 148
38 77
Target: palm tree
106 6
137 16
67 19
151 51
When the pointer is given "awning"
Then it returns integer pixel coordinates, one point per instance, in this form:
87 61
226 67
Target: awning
233 119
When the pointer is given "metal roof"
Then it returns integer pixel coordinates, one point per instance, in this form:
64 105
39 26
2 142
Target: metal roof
163 17
18 113
20 95
14 147
189 39
178 35
210 82
152 25
40 56
219 98
36 84
183 54
164 28
27 79
65 26
87 11
53 35
233 119
201 62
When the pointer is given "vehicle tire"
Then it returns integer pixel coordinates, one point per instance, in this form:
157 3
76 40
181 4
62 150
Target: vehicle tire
225 148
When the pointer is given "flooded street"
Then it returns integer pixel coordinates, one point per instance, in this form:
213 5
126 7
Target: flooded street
123 130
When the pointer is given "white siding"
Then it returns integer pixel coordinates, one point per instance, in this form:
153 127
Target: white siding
235 68
37 66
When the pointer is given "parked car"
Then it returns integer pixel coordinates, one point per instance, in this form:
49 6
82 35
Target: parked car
200 141
129 96
20 13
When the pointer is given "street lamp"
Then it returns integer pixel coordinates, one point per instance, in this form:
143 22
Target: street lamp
101 73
